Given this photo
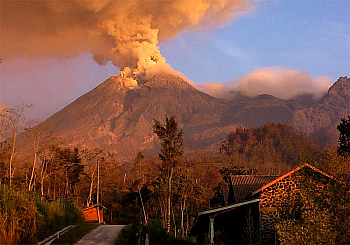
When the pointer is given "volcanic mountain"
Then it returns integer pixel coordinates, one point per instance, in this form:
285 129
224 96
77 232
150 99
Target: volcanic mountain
118 115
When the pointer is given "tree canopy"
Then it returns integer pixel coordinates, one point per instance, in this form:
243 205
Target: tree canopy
344 137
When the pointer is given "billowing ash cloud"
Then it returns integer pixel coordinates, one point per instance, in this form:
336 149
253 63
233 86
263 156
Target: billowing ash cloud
282 83
2 105
125 32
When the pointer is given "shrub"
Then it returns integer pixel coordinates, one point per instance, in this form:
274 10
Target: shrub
128 235
27 219
18 217
55 215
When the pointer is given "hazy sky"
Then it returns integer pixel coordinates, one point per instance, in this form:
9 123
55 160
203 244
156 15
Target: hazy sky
310 36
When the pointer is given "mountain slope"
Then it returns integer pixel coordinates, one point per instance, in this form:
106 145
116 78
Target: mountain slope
321 119
118 115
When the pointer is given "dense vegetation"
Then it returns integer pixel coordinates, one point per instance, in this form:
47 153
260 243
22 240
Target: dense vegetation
271 148
39 174
27 219
318 214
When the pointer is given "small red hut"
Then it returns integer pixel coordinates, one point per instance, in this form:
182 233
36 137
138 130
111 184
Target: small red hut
94 213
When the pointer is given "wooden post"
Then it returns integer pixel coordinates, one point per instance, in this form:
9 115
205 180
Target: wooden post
259 223
211 229
98 182
98 214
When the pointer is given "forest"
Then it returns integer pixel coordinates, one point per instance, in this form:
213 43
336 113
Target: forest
52 181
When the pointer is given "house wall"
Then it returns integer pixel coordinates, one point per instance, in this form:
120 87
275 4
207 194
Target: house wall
91 215
272 198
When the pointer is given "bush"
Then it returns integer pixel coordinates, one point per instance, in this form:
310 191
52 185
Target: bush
18 216
27 219
156 233
55 215
128 235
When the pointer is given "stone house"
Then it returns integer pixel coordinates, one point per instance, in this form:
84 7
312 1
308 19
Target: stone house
252 218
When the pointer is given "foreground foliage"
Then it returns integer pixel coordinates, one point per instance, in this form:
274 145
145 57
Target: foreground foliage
26 219
169 188
318 214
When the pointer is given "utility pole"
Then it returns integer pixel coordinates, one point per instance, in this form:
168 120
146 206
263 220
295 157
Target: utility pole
98 181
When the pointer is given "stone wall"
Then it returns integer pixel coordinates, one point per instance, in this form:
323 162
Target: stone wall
273 198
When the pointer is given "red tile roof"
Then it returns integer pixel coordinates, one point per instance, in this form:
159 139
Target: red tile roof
291 172
243 185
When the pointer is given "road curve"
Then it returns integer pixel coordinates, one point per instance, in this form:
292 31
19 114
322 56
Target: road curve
103 235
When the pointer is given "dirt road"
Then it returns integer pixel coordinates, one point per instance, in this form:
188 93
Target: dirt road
103 235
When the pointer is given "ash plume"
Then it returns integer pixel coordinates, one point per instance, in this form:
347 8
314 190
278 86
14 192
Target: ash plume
2 105
123 32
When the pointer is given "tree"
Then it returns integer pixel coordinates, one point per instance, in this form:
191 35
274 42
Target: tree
138 168
93 159
11 121
344 137
47 157
36 136
171 142
70 161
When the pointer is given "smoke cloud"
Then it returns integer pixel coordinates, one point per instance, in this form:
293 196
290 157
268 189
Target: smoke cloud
282 83
276 81
124 32
2 105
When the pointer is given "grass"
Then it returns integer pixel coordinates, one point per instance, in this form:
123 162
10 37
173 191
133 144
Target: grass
72 236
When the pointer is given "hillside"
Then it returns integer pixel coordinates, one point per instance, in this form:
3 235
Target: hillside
320 120
118 115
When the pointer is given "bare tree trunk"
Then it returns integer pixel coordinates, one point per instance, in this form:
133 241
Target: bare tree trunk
67 184
187 224
43 175
36 136
54 189
169 200
98 182
143 207
12 155
31 182
42 185
183 208
175 229
89 200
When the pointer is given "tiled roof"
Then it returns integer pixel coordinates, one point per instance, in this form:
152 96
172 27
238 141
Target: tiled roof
304 165
243 185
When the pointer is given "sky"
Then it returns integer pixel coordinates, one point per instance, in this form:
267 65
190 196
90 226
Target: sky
278 41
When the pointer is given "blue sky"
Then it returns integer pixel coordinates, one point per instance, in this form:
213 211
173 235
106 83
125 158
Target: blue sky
304 35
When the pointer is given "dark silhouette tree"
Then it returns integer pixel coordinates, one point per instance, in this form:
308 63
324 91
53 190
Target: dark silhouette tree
344 137
171 142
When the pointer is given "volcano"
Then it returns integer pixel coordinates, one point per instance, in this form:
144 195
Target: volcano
117 115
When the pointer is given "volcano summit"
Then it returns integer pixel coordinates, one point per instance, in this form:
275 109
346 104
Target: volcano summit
118 115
